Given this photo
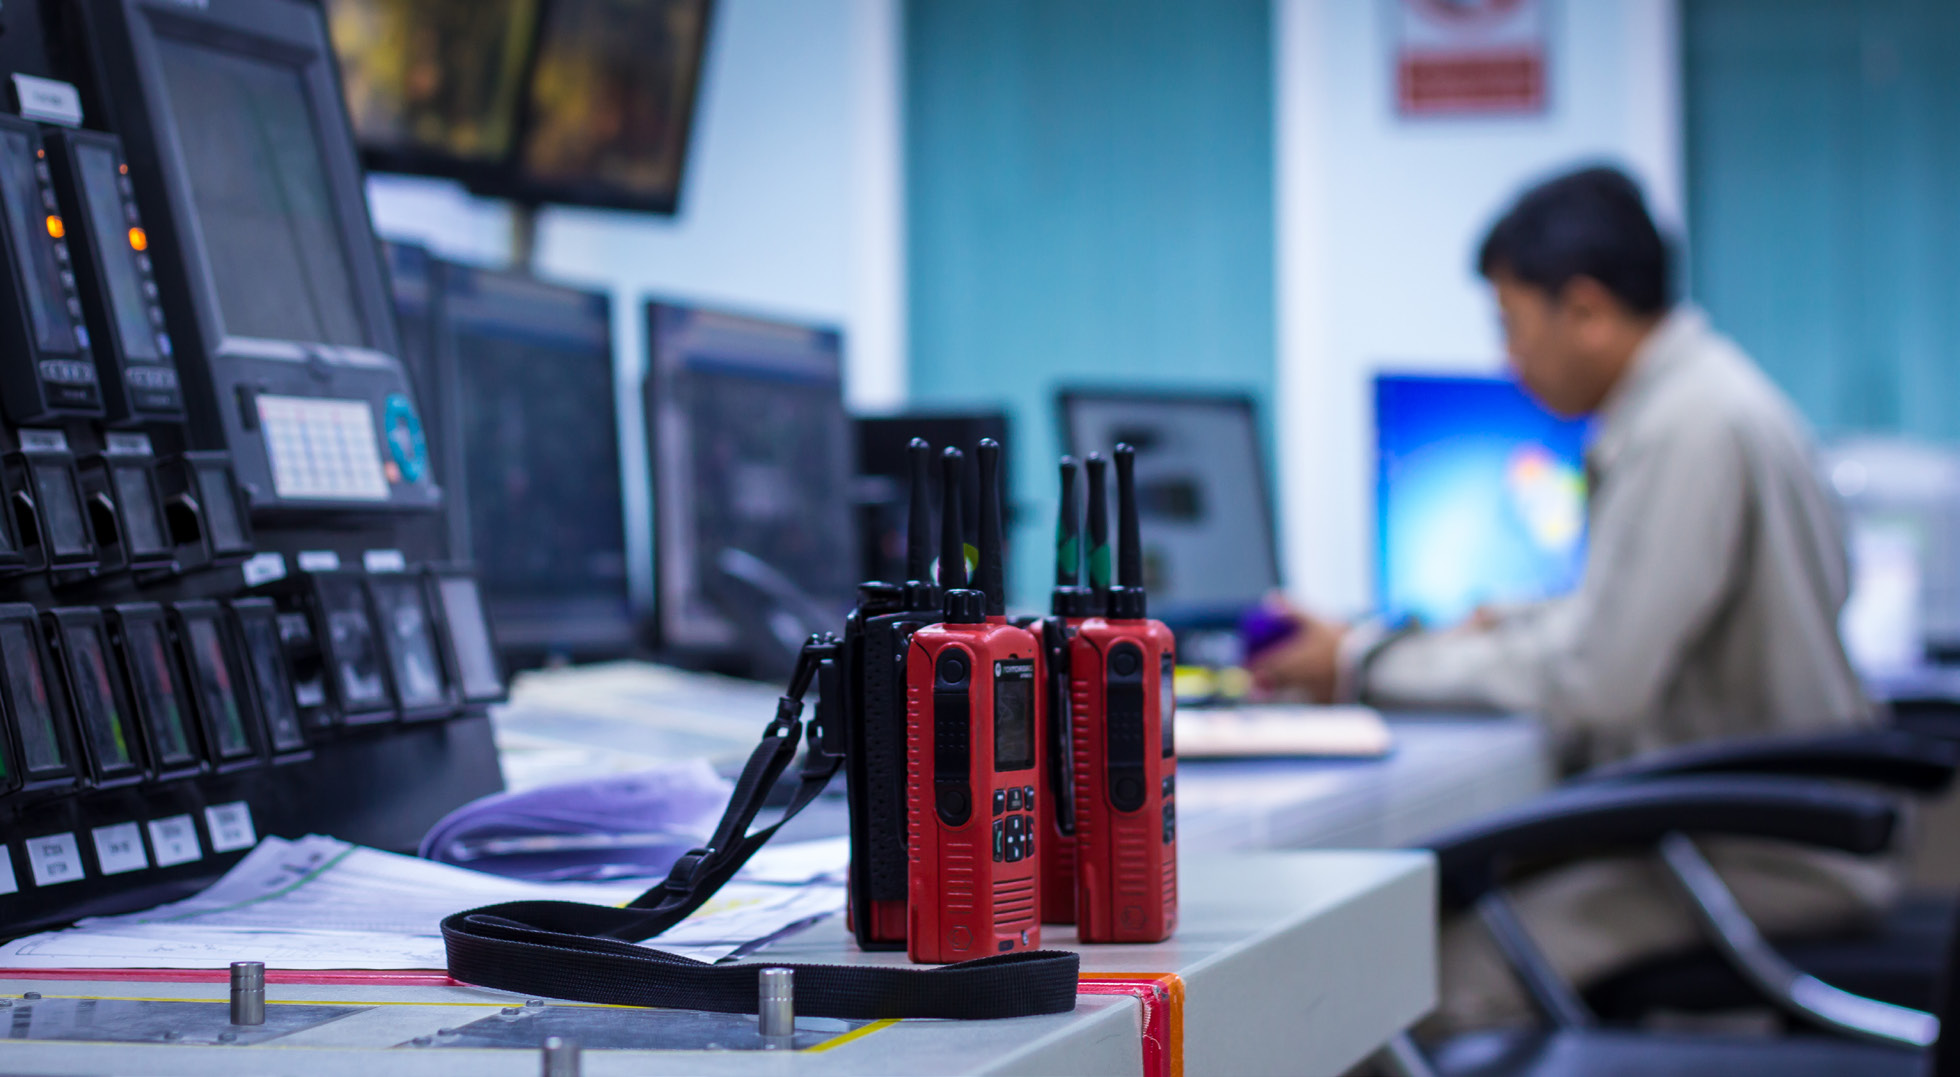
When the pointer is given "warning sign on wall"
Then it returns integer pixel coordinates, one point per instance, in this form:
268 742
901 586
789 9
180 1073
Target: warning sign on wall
1470 57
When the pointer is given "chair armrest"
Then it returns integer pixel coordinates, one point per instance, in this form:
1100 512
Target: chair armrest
1893 758
1594 819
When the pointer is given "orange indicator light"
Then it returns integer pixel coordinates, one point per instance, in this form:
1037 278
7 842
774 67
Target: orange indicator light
55 227
138 241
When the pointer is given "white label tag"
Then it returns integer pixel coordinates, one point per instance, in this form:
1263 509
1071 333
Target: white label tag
318 561
8 884
43 441
127 444
264 568
56 858
175 840
48 100
384 561
231 827
119 848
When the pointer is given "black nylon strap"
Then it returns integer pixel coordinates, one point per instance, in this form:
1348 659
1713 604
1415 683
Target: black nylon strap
587 953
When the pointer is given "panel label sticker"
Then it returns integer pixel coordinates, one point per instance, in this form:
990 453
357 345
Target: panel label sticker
231 827
56 858
384 561
318 561
175 840
48 100
263 568
119 848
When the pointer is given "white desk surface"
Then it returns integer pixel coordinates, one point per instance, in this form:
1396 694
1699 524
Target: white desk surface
1293 963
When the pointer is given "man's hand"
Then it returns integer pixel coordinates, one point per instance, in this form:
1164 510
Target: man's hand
1308 661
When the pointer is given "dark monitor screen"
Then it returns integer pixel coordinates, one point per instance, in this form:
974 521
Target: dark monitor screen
142 516
61 510
540 461
162 700
217 687
410 632
351 641
35 709
104 720
884 478
611 99
33 226
752 467
258 182
434 80
469 635
1209 551
109 235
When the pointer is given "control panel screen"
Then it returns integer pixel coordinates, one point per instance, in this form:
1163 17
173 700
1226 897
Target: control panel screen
103 721
323 449
1167 704
142 519
469 632
259 184
217 687
275 689
214 496
27 690
61 510
35 226
110 234
157 682
411 641
356 653
1013 715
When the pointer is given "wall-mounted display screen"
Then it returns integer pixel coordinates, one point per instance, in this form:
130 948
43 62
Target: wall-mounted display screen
104 719
274 688
34 225
469 635
60 502
142 517
404 613
224 708
351 642
128 306
162 701
34 707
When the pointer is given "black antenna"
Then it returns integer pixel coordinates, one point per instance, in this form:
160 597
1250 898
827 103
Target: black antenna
918 527
1070 600
1098 533
990 576
1126 598
962 606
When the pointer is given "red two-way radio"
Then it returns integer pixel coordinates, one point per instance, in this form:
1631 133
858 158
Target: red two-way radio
973 752
1120 668
1071 605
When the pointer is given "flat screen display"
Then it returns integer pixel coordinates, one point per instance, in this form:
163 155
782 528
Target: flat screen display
223 707
61 510
1480 496
141 517
34 708
469 634
613 94
434 78
753 464
214 496
356 653
1013 715
259 184
29 218
109 235
404 614
274 688
101 712
156 680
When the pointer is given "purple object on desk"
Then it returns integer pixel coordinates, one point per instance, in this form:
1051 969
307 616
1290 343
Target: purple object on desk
1263 628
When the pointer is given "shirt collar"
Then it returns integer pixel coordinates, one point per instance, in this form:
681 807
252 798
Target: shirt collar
1674 341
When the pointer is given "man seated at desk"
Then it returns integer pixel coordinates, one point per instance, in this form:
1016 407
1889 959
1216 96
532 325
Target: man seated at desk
1709 603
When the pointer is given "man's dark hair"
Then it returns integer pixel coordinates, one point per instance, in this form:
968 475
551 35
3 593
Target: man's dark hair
1590 223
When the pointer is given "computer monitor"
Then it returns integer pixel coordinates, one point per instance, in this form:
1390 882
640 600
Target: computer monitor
1480 496
1206 510
882 489
536 445
751 457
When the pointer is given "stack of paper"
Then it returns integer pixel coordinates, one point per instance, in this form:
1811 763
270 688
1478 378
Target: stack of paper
319 903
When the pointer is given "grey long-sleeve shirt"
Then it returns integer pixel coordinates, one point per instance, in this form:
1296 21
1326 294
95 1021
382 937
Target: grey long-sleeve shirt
1710 599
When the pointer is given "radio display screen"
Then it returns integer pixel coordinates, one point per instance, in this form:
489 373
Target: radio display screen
27 688
155 678
1014 715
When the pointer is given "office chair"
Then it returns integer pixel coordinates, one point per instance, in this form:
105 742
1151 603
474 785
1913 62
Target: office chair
1899 960
1476 862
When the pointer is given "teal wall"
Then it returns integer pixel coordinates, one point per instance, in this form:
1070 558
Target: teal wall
1824 200
1089 201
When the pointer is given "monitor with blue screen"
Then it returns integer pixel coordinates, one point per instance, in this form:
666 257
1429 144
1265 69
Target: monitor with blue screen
1480 496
